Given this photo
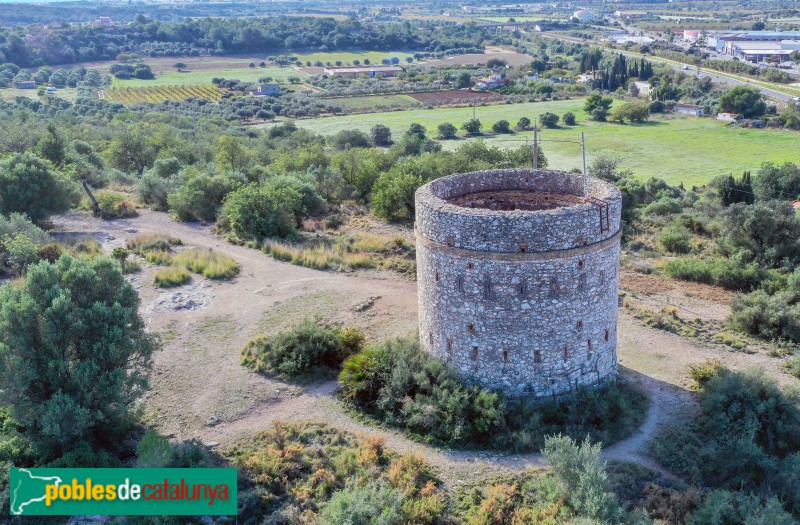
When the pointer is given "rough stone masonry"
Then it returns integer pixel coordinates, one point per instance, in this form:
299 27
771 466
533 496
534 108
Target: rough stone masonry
518 276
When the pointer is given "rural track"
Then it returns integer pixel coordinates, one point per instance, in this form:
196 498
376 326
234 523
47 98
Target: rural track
194 379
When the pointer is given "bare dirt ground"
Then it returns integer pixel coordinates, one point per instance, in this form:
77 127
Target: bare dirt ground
199 389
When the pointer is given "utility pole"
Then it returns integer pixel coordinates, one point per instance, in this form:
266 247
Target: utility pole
583 147
535 147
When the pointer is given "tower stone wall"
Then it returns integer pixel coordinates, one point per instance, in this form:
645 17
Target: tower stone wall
518 276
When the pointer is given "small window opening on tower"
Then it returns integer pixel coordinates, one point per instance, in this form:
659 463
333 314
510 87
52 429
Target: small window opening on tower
553 287
523 248
566 352
581 264
523 289
606 335
505 356
580 323
430 337
449 241
449 346
474 353
436 276
470 265
471 328
589 345
460 283
537 356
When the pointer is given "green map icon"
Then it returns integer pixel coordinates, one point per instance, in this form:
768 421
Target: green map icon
28 490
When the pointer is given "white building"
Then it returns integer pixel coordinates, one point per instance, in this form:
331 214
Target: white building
584 16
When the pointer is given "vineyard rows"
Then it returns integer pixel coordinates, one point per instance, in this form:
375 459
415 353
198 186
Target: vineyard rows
140 95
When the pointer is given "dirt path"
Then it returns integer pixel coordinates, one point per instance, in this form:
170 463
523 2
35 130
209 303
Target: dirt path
201 391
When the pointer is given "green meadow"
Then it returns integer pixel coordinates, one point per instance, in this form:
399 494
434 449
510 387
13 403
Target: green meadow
196 75
677 149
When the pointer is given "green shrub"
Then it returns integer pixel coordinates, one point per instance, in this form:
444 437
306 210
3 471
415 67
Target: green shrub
722 506
403 386
29 185
172 276
257 212
675 239
307 347
774 316
746 437
727 273
200 197
148 242
374 502
153 451
582 477
158 257
665 206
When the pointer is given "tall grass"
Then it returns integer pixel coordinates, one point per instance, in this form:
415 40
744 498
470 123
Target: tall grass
207 263
171 276
320 257
158 257
153 241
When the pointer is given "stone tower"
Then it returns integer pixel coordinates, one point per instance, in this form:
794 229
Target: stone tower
518 276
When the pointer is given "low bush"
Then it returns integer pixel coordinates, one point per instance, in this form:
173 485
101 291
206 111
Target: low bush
171 276
158 257
675 239
306 348
727 273
309 473
115 205
258 212
745 438
403 386
775 316
207 263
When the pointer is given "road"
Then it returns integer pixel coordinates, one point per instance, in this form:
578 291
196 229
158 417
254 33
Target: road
716 77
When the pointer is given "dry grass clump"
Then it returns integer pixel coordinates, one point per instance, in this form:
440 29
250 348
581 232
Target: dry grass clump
158 257
207 263
319 257
153 241
171 276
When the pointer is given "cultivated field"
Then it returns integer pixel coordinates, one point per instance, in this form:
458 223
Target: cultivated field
456 97
129 96
375 102
511 57
689 150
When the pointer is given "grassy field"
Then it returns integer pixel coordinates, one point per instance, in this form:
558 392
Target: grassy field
10 94
196 76
689 150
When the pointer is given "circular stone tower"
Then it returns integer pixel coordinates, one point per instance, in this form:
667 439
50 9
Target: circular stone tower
518 275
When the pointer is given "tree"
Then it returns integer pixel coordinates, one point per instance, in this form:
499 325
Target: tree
495 63
446 131
472 126
548 120
416 129
393 195
568 119
597 101
524 123
28 185
732 190
765 232
74 353
231 154
180 66
350 138
130 149
381 135
293 79
52 146
501 126
464 80
744 100
777 182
